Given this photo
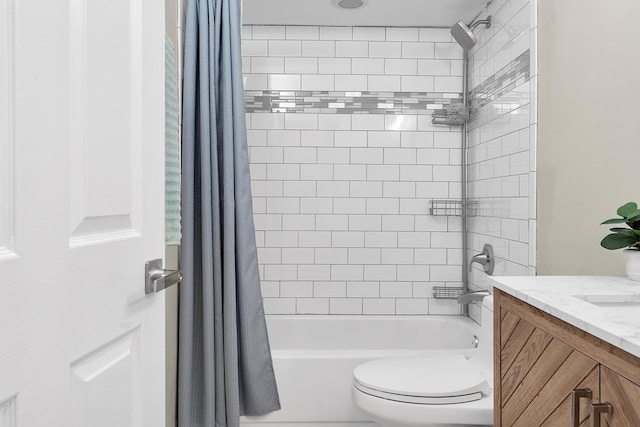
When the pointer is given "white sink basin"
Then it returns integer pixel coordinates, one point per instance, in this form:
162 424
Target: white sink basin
626 304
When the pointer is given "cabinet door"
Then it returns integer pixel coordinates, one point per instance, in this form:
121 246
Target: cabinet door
624 396
538 373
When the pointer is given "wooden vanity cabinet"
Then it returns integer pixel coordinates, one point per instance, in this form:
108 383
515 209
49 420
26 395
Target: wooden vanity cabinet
539 360
623 395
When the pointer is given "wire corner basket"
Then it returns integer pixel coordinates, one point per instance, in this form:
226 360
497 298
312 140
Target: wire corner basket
443 292
453 207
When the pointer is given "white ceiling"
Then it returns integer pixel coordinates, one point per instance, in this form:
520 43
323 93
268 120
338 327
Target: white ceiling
400 13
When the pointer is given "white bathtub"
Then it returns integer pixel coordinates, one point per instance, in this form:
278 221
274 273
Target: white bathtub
314 358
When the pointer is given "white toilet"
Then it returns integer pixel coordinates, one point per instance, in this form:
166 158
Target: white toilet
431 391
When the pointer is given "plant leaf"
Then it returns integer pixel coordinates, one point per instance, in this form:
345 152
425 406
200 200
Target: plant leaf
618 241
614 221
621 230
634 221
628 209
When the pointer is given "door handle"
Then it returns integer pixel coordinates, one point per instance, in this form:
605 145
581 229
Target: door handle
156 278
596 411
576 395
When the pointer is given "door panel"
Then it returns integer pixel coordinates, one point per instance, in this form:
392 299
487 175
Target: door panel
517 342
561 417
6 130
105 130
81 210
115 366
538 374
625 398
8 412
508 322
531 351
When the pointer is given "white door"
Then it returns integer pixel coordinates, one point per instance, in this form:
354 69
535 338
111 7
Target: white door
81 210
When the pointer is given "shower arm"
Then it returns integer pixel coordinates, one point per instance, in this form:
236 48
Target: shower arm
487 22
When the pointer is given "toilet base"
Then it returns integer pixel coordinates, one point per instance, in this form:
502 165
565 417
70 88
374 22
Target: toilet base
387 413
437 425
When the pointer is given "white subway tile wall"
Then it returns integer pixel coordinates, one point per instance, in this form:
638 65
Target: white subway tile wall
341 201
502 141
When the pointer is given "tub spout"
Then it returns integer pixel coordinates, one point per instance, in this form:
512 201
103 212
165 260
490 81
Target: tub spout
470 297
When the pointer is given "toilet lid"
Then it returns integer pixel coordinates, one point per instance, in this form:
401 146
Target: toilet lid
433 380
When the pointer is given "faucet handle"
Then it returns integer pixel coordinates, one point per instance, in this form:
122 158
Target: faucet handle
486 258
481 259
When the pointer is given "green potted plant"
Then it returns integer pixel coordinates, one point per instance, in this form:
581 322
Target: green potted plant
626 237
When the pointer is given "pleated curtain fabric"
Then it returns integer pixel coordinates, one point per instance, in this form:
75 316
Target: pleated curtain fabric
171 147
225 366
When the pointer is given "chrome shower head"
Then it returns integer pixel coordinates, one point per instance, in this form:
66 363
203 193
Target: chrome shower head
464 34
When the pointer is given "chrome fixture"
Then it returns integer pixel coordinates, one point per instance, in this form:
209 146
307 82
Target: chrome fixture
157 279
350 4
446 292
455 114
453 207
464 34
475 341
486 258
470 297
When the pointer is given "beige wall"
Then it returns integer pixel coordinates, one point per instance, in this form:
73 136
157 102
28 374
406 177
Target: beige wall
588 144
171 19
172 26
171 339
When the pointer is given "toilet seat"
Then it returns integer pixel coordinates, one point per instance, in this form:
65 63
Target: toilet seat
437 380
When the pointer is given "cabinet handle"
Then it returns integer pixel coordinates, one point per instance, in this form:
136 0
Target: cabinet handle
596 411
576 395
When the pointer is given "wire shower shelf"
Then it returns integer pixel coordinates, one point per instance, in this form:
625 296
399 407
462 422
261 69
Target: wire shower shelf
452 207
442 292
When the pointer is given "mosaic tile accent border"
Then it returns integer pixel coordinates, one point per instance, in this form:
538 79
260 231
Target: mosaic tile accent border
419 103
503 81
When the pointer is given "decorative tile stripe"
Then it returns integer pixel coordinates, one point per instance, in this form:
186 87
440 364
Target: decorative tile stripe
276 101
503 81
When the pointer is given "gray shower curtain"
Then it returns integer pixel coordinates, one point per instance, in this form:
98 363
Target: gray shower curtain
225 368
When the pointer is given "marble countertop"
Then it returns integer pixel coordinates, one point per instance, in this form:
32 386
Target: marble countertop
567 298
